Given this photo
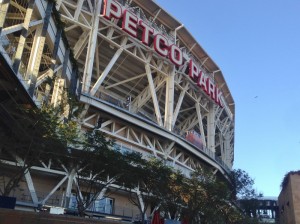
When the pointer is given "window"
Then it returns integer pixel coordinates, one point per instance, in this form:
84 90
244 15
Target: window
104 205
73 201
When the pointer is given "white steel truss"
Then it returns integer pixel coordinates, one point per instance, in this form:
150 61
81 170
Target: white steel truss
142 99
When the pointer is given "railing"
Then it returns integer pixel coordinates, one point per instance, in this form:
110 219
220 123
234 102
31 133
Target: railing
126 106
57 199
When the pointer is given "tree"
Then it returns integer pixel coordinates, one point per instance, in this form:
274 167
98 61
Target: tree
209 199
147 184
243 184
98 164
246 195
35 135
173 195
90 159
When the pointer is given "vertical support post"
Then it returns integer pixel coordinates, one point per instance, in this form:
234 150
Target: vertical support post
169 106
55 48
53 61
88 68
211 128
23 36
37 50
3 10
74 81
57 91
65 64
226 157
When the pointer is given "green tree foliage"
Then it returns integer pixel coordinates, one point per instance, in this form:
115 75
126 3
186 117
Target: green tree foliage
148 183
98 164
247 196
209 199
243 184
173 195
35 135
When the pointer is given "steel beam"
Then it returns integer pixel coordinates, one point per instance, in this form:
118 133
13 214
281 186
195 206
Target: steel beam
23 36
169 102
37 50
153 94
197 105
211 131
89 63
3 11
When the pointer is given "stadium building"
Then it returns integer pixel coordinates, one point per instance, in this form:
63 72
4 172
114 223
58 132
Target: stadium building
144 80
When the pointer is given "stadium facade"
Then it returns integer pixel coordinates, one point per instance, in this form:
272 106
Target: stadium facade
144 80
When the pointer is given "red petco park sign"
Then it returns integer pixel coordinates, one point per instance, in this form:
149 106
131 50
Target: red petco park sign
134 25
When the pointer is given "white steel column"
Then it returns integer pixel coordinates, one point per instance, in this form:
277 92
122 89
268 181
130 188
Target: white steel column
228 150
169 106
58 90
153 94
211 128
88 68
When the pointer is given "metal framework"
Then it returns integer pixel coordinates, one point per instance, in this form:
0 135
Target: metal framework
130 92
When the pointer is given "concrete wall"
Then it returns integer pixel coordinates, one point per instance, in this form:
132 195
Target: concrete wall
20 217
295 180
289 201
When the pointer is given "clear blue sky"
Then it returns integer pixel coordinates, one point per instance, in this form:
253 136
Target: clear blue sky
256 43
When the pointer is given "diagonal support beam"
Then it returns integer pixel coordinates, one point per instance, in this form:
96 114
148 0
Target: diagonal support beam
29 181
153 94
106 71
78 9
54 190
179 103
108 68
197 105
126 80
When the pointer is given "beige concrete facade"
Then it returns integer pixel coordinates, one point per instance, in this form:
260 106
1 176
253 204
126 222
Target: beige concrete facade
289 201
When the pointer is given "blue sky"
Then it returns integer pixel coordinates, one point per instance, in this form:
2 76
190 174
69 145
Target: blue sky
256 43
